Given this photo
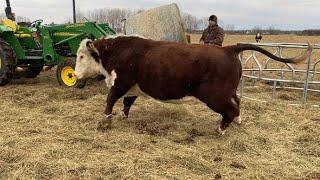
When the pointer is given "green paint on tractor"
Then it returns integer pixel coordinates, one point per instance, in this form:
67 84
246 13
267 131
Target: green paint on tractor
37 45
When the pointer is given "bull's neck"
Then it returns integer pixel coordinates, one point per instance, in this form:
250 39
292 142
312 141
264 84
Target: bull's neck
106 68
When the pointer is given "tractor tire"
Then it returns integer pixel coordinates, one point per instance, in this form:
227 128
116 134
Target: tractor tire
65 74
8 62
33 72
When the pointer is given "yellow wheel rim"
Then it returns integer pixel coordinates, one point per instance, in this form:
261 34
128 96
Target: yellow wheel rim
68 77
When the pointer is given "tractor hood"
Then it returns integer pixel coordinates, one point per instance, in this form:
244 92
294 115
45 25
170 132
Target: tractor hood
5 29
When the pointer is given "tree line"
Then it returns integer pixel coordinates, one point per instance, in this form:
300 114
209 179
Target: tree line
115 16
18 18
193 24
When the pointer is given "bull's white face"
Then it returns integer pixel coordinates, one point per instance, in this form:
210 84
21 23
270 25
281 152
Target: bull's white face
86 66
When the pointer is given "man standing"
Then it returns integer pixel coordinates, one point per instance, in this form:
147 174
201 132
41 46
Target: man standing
213 34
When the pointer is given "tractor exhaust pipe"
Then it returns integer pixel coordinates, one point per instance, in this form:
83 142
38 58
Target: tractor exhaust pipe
74 11
8 11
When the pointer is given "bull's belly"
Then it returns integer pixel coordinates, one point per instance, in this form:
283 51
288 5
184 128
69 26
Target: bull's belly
186 99
136 91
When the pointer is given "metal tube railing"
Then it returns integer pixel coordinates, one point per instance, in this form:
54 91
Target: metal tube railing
309 72
305 91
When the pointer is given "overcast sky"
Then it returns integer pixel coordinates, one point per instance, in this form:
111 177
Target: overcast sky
283 14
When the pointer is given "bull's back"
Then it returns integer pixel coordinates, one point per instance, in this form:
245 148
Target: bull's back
174 70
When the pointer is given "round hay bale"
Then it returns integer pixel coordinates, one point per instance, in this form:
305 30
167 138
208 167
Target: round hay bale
162 23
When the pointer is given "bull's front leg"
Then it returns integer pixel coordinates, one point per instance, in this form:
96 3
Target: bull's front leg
113 96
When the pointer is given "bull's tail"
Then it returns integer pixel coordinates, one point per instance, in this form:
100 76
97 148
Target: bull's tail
244 47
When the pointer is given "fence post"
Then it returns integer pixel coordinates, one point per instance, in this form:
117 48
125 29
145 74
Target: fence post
274 87
242 86
306 83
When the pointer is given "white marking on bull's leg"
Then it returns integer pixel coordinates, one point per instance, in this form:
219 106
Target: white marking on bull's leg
108 120
109 116
220 131
237 120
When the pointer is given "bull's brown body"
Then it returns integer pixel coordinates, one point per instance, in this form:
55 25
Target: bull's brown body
168 70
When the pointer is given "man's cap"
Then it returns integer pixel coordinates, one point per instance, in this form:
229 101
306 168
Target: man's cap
213 18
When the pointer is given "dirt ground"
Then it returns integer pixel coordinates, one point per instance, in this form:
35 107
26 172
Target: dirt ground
49 132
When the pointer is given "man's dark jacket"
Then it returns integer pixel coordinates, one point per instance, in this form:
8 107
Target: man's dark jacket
213 35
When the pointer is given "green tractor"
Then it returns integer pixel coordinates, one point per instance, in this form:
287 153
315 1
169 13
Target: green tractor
27 48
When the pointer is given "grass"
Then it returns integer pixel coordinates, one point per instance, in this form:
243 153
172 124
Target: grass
49 132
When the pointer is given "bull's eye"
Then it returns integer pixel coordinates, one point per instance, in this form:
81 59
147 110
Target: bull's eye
81 57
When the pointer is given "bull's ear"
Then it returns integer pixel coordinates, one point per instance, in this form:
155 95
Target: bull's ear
90 45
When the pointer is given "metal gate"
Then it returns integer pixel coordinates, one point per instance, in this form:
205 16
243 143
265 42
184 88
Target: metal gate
261 74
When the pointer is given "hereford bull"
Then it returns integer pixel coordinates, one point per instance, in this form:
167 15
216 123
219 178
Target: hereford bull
168 71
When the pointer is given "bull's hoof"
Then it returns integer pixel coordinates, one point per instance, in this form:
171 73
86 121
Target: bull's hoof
220 131
238 120
123 116
105 123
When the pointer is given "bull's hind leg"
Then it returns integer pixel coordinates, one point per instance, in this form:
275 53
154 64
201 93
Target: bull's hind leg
236 101
127 103
230 112
221 102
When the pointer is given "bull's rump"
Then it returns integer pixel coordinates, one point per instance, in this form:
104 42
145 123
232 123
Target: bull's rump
175 70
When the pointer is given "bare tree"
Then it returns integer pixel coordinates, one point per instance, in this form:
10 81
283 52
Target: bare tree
272 30
229 27
256 29
191 22
2 16
202 23
18 18
112 16
22 19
